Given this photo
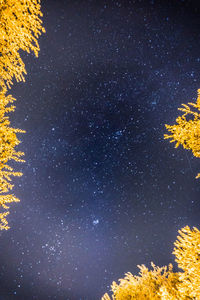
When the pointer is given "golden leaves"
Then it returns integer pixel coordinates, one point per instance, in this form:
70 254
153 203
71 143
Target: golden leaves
6 199
187 252
187 132
162 283
8 143
150 284
20 28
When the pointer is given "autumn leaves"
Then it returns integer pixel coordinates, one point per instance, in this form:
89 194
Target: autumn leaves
161 283
20 27
187 132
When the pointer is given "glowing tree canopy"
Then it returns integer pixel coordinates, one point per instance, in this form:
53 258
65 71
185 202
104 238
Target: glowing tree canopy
20 27
187 131
162 283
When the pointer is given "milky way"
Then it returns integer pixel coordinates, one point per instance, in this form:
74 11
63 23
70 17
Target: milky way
102 191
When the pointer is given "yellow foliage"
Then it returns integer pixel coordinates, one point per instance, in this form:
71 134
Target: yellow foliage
8 143
150 284
162 283
187 252
20 27
187 132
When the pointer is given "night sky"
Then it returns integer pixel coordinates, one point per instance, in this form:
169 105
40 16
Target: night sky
102 191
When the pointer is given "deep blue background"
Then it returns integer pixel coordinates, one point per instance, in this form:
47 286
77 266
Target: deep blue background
102 191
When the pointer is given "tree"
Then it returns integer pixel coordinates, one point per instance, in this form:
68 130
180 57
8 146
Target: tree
150 284
187 252
8 143
20 27
163 284
187 130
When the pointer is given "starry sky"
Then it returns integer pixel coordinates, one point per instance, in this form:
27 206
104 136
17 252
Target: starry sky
102 191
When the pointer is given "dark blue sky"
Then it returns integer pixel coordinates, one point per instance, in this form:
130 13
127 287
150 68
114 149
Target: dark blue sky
102 191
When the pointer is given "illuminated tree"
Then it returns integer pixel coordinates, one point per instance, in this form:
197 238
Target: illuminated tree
20 27
187 252
150 284
8 143
163 284
187 131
